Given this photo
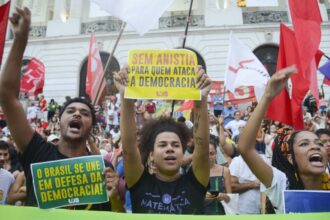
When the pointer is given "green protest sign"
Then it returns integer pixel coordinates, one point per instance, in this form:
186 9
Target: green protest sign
68 182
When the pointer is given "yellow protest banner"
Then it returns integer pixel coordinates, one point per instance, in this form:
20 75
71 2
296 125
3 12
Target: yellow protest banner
162 74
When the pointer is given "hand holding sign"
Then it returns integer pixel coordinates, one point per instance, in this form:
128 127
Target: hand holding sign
203 81
111 182
68 182
121 79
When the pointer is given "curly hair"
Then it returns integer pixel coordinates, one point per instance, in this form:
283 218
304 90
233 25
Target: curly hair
80 100
153 127
283 147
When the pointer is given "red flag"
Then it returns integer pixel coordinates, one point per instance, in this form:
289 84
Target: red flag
326 81
4 12
313 86
187 105
33 77
306 19
287 106
94 71
318 56
243 94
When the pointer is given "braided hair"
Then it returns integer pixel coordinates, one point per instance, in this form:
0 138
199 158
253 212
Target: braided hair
283 147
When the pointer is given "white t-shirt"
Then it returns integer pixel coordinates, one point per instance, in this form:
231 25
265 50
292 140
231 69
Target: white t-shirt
113 111
32 112
214 130
268 149
249 201
114 134
234 126
275 191
6 180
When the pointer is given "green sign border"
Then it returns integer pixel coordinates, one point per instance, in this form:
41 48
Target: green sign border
64 202
26 213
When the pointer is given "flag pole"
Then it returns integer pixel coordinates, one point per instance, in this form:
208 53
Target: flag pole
326 56
187 24
184 41
123 25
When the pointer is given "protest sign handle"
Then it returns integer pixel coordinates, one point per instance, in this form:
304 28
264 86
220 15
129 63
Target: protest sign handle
187 24
184 42
109 61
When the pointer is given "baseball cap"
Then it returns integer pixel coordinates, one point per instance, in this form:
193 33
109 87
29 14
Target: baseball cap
52 137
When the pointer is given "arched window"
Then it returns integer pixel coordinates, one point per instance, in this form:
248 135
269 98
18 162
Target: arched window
268 54
110 88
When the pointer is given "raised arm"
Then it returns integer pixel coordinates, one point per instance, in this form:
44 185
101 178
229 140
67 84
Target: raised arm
247 139
227 147
200 161
18 124
133 167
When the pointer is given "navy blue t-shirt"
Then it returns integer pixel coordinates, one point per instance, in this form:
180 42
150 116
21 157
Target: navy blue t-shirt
182 196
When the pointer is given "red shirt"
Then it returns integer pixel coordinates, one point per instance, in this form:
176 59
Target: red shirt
43 105
151 107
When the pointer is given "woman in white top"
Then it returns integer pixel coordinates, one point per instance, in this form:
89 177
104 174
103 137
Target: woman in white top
305 162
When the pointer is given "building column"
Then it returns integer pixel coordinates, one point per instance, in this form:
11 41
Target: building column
222 12
59 10
64 24
76 9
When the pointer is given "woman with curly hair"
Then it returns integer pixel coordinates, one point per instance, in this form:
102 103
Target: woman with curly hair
162 141
300 156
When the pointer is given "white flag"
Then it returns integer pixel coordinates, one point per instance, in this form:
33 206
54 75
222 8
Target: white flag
140 14
244 68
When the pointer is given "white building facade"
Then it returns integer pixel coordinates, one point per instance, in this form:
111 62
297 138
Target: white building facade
61 29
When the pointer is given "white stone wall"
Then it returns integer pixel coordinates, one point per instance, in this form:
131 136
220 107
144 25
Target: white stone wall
63 51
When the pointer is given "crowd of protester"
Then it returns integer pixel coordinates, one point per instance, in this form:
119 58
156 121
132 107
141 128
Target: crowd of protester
226 164
220 150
